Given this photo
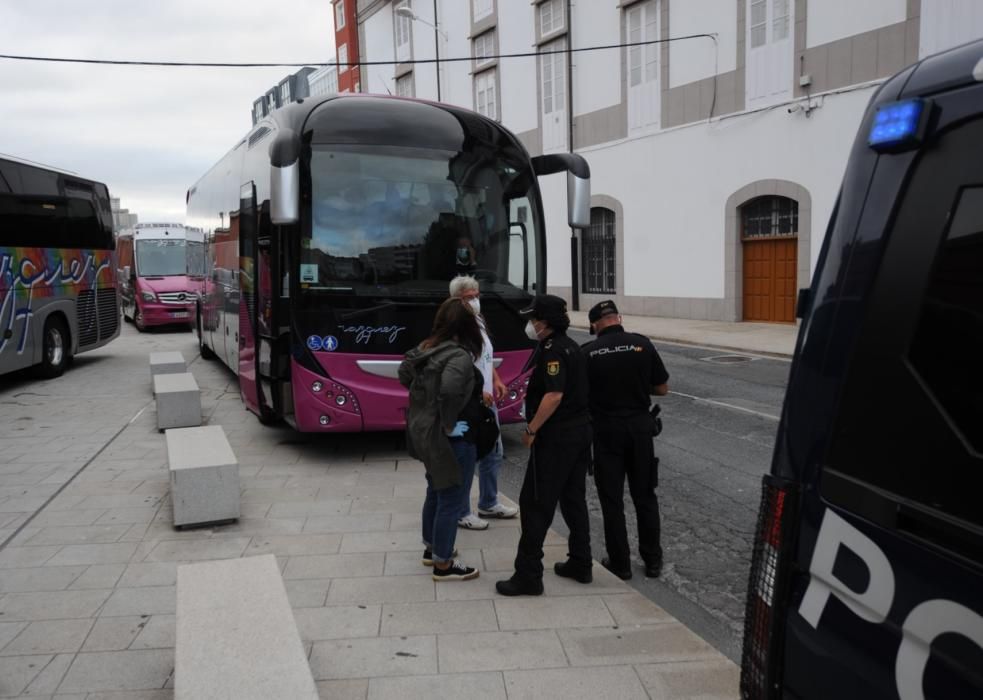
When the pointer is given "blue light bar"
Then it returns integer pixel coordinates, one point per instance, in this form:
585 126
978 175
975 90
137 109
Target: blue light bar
897 125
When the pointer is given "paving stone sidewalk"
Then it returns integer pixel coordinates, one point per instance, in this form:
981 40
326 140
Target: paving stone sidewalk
775 339
88 571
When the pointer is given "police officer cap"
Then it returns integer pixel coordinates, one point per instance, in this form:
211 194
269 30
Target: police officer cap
547 307
601 309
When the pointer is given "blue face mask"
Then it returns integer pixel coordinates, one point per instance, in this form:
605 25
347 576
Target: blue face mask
462 254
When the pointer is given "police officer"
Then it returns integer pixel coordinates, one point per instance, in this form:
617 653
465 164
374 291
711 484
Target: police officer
624 368
558 438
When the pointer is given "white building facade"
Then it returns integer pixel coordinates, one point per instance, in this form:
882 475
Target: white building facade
715 160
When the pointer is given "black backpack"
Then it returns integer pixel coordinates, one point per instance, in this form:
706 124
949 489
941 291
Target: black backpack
483 427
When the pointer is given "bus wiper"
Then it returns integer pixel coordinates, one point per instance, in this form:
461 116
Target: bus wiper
385 305
501 300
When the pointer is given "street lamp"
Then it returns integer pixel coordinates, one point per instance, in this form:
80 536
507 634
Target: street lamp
405 11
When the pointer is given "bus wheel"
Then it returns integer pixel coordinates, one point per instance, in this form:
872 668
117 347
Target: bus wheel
267 416
206 352
138 319
55 349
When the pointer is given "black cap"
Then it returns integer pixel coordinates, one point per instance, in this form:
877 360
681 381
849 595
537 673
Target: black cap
601 309
547 307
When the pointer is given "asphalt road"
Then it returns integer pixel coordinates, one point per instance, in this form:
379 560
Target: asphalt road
720 421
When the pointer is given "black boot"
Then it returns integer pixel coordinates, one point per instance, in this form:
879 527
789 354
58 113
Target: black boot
519 586
568 569
653 569
624 574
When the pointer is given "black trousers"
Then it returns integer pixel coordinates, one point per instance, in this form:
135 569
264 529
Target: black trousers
556 473
623 447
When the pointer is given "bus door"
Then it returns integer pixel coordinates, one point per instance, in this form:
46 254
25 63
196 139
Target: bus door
272 316
248 246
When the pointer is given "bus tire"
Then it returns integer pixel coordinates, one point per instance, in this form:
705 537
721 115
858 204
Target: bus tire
206 352
138 319
267 416
56 348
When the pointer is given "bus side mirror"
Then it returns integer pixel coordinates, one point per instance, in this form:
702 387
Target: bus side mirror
285 194
578 183
578 201
285 178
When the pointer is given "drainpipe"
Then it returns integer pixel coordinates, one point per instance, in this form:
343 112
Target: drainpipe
574 247
436 48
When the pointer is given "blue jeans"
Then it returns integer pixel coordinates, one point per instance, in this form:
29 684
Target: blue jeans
488 468
441 507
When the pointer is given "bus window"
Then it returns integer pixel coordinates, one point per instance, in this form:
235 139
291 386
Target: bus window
394 220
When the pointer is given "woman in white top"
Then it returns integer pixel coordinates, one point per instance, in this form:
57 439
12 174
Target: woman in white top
467 289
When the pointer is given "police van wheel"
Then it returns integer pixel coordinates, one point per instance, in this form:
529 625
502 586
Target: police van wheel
55 348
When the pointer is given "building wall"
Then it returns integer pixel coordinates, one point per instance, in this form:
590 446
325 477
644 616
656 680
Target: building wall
677 185
349 78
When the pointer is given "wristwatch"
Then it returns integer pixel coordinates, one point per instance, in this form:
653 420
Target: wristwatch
530 432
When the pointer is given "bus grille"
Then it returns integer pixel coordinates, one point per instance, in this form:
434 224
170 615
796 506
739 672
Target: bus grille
764 617
108 313
85 310
175 297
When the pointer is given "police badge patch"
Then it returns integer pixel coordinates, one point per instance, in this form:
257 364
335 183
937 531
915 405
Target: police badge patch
553 368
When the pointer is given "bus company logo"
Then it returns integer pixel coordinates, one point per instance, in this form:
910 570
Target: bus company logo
329 343
314 343
364 334
27 274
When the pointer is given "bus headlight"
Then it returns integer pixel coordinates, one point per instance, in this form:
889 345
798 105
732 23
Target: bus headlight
340 399
148 296
316 387
324 420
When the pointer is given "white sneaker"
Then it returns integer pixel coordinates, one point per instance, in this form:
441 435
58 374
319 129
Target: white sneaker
499 510
472 522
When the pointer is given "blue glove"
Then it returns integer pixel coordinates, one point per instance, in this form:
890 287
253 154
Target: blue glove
460 428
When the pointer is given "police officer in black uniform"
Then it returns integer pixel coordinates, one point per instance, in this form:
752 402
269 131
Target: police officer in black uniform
558 437
624 369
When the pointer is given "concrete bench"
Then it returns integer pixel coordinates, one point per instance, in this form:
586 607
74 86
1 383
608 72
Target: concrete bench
204 476
236 634
178 401
166 363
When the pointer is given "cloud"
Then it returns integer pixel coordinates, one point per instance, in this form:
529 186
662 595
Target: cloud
148 133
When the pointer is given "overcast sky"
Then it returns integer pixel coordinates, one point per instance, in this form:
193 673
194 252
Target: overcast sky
148 133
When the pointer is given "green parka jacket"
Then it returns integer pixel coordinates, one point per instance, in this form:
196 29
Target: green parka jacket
441 382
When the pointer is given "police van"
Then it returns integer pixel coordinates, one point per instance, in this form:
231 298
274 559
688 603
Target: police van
867 574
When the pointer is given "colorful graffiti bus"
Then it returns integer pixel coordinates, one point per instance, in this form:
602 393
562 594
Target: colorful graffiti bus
57 284
332 231
160 269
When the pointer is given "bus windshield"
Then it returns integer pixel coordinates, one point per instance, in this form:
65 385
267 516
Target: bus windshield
161 258
400 221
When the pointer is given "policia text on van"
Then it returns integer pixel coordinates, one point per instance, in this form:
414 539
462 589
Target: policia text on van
867 575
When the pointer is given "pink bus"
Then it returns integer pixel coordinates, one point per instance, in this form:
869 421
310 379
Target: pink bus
160 268
331 233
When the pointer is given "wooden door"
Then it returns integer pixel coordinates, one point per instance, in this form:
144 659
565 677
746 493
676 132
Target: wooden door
770 267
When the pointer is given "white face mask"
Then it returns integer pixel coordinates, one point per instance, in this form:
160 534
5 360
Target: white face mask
531 331
475 305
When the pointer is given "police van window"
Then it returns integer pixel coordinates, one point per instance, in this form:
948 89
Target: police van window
906 450
948 344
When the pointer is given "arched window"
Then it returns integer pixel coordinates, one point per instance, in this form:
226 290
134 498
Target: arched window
599 253
770 216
